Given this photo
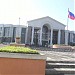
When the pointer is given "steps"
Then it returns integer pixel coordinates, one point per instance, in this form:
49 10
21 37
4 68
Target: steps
59 61
54 49
60 67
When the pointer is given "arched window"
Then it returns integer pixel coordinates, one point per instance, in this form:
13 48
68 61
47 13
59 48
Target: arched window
45 29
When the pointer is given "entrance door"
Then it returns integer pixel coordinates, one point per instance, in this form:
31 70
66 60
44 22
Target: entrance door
55 37
36 37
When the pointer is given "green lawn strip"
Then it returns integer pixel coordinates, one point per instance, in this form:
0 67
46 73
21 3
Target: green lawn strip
13 49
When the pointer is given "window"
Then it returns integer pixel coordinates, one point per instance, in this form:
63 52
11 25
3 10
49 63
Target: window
0 28
0 31
6 31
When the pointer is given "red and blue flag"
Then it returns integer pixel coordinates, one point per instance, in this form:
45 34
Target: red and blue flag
71 15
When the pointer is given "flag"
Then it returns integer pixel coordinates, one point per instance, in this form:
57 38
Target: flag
71 15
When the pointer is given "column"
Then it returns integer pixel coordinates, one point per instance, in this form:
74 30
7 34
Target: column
11 33
41 36
66 37
26 35
32 35
51 36
48 36
72 36
59 34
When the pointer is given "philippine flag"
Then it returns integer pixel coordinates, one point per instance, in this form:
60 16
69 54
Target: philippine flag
71 15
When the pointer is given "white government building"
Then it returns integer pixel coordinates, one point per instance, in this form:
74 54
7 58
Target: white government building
42 31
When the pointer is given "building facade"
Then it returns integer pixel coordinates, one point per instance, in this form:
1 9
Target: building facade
47 31
42 31
9 32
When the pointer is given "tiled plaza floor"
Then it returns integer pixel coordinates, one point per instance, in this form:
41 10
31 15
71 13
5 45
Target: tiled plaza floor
59 56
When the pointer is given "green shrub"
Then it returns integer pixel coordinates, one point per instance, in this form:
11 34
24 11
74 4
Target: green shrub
13 49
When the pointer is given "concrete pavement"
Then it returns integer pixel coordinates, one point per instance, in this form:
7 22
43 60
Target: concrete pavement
57 56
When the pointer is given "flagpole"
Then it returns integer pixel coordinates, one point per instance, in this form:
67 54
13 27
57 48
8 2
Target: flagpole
67 22
67 18
18 26
19 20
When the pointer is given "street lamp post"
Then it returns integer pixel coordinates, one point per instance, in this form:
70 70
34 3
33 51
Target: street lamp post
18 36
19 20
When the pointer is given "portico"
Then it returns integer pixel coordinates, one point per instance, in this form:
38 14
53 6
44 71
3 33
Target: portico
46 31
45 36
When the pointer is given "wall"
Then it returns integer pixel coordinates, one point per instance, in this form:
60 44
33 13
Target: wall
19 66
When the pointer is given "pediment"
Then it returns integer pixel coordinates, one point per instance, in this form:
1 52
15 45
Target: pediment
46 20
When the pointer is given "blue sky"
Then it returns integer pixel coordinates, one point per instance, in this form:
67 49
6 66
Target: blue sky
11 10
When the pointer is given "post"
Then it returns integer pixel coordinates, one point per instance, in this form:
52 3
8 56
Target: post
67 18
59 34
66 37
32 35
51 36
41 36
18 37
19 20
67 22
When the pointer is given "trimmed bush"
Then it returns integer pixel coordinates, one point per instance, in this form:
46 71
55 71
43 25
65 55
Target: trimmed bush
13 49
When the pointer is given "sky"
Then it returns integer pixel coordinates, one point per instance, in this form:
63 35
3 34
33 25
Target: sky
11 10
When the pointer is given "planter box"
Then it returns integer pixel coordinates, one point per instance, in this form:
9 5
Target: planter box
16 44
22 64
21 45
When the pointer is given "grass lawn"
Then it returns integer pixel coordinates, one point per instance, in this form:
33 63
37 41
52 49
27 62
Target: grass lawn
13 49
